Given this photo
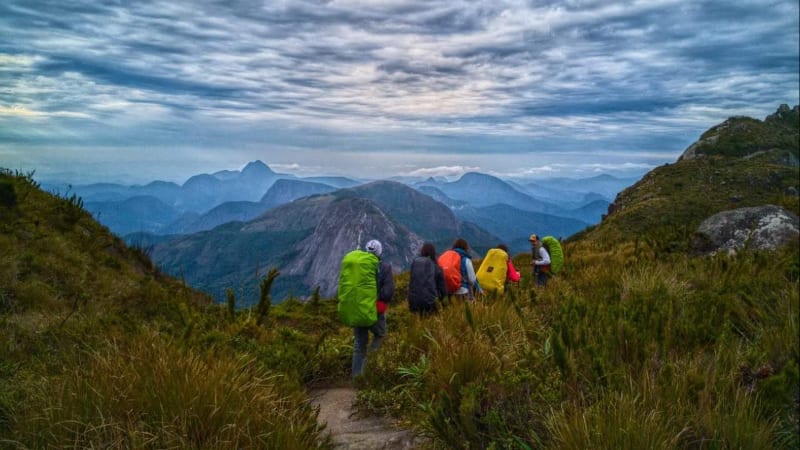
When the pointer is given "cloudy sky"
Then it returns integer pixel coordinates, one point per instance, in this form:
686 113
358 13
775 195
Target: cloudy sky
134 91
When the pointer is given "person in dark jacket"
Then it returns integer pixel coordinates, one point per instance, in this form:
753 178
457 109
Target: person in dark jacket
426 283
384 294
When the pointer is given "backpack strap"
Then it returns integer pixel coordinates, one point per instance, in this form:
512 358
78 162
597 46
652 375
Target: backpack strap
464 277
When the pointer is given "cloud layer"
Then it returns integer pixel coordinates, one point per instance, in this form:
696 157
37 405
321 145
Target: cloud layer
385 86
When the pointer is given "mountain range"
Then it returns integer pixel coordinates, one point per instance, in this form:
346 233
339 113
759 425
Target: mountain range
308 237
205 201
222 229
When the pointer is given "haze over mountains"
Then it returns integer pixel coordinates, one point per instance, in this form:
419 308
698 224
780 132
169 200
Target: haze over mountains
205 201
228 228
218 229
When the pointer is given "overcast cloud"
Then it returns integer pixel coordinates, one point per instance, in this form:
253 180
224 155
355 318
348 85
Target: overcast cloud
166 89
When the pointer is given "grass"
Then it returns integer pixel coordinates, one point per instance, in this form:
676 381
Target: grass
620 356
151 393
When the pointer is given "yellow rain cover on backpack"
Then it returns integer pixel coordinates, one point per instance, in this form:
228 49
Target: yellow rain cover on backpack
493 270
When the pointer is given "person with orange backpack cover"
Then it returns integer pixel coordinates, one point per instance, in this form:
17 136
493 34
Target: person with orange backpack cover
459 273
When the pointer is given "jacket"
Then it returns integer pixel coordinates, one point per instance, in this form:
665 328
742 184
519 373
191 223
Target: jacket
425 285
385 282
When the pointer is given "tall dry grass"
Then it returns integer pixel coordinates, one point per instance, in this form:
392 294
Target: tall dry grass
151 393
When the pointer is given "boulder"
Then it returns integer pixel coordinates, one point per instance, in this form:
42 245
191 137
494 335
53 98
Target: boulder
759 228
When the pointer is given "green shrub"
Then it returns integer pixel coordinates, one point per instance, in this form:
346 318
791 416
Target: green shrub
8 196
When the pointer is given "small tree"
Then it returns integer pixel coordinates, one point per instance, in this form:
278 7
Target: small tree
230 296
315 298
8 196
264 298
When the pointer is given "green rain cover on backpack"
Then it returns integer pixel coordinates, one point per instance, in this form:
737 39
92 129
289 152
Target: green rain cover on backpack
553 247
358 289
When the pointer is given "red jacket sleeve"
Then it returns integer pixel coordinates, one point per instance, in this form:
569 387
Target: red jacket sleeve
513 274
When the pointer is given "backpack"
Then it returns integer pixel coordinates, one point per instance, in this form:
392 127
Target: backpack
553 247
358 289
450 262
493 271
422 291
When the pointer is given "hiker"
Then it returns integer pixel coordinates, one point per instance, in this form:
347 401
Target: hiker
426 282
497 270
384 294
459 274
540 260
513 274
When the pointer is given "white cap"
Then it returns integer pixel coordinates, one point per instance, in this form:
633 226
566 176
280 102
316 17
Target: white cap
374 246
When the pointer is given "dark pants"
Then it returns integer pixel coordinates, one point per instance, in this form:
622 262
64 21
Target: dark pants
361 340
541 277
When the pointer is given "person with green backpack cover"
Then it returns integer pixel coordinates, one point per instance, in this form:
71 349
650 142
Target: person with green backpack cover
365 287
547 258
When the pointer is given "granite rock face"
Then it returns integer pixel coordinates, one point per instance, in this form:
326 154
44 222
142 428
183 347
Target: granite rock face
759 228
347 224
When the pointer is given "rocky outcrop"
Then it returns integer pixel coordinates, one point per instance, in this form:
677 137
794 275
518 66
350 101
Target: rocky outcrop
758 228
347 224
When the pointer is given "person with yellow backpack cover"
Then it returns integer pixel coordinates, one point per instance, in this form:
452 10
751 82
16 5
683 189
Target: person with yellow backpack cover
496 270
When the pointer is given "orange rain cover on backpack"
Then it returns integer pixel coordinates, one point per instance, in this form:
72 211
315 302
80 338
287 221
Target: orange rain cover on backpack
450 262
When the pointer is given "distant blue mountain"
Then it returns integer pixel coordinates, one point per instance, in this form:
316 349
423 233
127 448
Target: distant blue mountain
339 182
205 201
135 214
606 185
514 226
285 191
436 194
480 190
591 213
223 213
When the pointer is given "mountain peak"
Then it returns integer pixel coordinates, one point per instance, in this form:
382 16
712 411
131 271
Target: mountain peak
257 168
785 115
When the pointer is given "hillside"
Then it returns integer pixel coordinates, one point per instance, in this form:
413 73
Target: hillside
668 203
53 249
99 349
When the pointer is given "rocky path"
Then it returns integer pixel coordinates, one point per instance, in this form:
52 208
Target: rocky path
351 432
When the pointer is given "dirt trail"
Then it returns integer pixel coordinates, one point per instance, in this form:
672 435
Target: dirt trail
351 432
